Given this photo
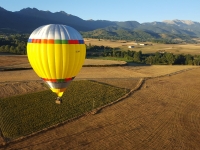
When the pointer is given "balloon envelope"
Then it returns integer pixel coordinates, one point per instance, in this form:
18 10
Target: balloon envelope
56 53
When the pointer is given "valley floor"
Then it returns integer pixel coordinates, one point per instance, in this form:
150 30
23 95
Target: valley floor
163 114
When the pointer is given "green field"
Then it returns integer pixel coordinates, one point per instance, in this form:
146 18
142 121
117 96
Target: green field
26 114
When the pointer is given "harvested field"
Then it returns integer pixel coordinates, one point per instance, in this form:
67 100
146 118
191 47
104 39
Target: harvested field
22 87
12 60
163 114
130 71
23 81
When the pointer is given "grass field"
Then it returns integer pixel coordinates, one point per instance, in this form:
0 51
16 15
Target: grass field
25 114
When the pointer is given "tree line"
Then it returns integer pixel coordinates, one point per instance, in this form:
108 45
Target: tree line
157 58
15 43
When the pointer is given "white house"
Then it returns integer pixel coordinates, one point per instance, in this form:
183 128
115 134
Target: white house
142 44
130 46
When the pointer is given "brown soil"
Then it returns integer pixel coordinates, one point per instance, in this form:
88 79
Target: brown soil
22 87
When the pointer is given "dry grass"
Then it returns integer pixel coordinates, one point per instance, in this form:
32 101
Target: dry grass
129 71
98 62
103 42
13 60
173 48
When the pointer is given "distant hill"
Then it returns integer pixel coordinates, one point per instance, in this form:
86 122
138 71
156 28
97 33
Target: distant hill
28 19
118 33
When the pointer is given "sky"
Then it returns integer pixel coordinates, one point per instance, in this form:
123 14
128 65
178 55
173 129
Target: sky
115 10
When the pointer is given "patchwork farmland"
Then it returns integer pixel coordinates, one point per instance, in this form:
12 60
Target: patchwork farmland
162 114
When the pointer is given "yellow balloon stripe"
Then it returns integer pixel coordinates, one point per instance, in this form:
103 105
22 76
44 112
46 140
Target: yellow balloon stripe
33 56
72 60
80 58
43 48
51 60
65 60
56 61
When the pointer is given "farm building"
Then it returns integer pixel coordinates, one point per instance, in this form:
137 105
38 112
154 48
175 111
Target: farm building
131 46
142 44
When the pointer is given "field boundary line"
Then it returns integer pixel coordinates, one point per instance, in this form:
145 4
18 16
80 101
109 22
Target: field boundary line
172 73
137 87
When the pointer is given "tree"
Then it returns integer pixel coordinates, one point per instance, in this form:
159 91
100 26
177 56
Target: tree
3 48
189 59
12 49
196 61
137 57
7 48
179 59
150 60
170 58
159 58
113 53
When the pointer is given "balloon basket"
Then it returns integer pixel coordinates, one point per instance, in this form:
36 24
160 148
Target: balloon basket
58 100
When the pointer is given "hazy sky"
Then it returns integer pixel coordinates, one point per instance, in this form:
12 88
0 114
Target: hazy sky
115 10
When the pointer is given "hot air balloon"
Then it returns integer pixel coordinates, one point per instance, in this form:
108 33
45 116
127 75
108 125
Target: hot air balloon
56 53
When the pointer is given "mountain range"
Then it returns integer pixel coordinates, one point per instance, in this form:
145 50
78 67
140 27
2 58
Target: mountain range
28 19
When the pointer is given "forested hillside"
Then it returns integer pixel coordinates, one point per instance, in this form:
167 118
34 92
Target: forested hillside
28 19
